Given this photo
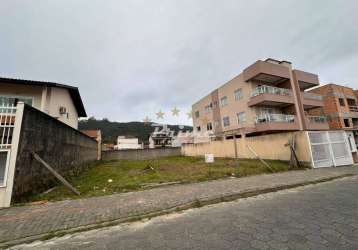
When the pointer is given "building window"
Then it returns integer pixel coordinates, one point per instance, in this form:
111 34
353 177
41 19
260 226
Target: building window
226 121
198 128
346 122
351 102
217 123
209 126
13 100
241 117
352 105
4 155
215 104
341 102
197 114
208 108
223 101
238 94
355 122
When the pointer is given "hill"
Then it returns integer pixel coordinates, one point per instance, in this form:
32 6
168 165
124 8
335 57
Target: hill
111 130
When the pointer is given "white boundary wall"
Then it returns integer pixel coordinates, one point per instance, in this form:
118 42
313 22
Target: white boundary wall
6 189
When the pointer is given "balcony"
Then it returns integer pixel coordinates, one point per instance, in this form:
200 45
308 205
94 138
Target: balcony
353 108
317 123
266 72
276 122
271 96
352 105
311 100
306 80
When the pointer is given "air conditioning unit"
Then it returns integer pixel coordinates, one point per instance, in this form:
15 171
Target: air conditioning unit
63 110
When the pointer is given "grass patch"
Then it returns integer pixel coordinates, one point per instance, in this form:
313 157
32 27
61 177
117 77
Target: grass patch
130 175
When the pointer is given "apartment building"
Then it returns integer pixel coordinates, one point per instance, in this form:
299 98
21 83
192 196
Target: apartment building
267 97
340 106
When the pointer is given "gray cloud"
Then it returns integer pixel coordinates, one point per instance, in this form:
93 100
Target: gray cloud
132 58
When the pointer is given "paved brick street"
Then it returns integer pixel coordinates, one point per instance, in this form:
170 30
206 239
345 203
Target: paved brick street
25 221
321 216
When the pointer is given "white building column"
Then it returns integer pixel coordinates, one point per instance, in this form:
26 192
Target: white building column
43 99
6 192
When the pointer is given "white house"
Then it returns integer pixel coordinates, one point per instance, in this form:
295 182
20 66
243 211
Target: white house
57 100
127 143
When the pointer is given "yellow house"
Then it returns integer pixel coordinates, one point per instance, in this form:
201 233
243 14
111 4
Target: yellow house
57 100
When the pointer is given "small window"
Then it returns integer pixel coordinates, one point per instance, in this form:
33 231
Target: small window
197 114
238 94
226 121
198 128
355 122
341 102
351 102
223 101
209 126
217 123
3 166
346 122
215 104
208 108
241 117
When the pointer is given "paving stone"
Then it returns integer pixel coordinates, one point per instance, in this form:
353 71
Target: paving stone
221 226
18 222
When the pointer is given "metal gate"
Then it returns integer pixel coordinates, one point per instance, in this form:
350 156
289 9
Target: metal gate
329 148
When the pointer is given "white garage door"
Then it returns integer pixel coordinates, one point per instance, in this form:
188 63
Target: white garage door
329 148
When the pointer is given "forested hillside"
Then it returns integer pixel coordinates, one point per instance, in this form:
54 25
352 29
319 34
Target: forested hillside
111 130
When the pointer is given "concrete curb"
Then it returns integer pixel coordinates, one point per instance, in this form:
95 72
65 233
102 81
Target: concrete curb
192 204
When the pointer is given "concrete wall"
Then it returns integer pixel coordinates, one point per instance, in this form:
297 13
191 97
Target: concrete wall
66 149
266 146
140 154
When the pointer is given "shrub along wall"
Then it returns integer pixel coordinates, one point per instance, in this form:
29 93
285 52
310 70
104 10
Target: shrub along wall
64 148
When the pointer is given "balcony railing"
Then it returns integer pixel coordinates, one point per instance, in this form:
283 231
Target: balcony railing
265 89
7 123
264 118
312 96
353 108
317 119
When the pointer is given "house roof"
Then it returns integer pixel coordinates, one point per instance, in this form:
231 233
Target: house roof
91 133
74 92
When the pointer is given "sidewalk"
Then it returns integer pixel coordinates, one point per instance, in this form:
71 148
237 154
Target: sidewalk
27 223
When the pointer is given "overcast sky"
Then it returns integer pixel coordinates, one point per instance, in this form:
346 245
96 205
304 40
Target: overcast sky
132 58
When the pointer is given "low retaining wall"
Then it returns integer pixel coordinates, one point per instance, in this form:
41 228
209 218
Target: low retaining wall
270 147
66 149
140 154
